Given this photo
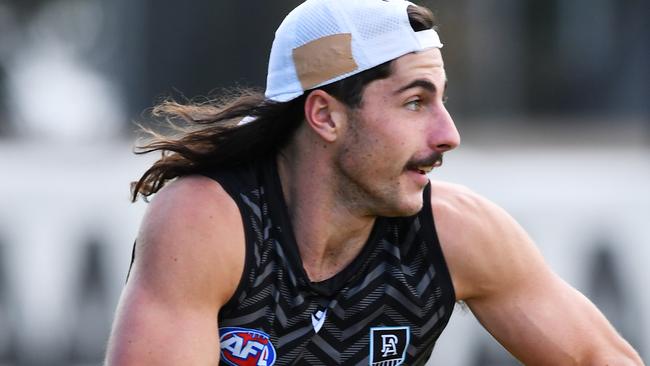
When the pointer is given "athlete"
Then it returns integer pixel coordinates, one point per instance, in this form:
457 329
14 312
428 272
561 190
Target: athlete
299 227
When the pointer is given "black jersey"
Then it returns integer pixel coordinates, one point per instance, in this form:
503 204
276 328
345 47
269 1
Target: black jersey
387 307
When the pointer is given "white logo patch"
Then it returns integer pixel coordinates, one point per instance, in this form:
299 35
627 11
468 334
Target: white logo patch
318 319
388 345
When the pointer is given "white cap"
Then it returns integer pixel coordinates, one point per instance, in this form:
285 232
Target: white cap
323 41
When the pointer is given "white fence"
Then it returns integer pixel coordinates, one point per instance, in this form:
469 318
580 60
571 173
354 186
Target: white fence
66 230
588 210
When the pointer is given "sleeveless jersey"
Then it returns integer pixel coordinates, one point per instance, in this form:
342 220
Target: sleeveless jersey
386 308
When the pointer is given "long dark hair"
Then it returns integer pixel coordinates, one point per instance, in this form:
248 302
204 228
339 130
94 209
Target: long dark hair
208 135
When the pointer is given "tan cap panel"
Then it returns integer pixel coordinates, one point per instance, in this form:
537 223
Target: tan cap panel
323 59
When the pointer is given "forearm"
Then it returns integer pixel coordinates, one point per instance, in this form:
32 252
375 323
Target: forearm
624 355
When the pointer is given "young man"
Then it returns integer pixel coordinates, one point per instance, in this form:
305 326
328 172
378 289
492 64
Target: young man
301 227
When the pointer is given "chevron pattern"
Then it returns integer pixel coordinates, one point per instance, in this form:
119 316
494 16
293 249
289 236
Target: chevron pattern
401 281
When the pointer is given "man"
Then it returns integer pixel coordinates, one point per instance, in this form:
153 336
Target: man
299 226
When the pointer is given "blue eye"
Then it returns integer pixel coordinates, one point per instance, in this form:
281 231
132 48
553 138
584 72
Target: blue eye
414 105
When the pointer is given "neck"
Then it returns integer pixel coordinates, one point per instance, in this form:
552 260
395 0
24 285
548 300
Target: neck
328 233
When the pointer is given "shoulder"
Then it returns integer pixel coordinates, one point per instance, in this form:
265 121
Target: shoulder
191 198
498 271
188 261
484 246
192 237
457 207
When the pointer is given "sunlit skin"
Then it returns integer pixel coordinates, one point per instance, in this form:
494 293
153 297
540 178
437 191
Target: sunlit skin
398 134
345 167
341 170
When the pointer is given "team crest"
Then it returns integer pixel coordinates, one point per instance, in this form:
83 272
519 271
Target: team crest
388 345
246 347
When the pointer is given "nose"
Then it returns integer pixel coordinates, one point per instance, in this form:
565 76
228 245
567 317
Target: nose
443 136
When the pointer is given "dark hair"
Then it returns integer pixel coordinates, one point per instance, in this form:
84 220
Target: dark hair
207 135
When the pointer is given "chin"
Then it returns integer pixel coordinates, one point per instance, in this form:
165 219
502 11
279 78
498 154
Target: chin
411 202
414 208
406 207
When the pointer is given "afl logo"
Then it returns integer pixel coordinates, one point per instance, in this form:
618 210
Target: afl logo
246 347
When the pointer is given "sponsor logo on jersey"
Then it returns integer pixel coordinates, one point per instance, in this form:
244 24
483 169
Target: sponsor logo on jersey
388 345
318 319
246 347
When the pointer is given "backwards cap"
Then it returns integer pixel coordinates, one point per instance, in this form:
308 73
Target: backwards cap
323 41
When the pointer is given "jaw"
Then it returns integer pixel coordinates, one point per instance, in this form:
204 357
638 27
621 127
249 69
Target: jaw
411 192
402 196
389 197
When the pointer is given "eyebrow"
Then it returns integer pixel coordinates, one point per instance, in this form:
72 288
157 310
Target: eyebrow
420 83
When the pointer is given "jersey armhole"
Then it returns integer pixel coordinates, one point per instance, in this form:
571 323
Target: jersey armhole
248 249
436 250
248 246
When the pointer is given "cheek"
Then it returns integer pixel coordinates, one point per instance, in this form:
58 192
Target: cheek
375 156
375 146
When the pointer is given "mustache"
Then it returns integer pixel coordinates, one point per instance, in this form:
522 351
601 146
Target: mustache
434 159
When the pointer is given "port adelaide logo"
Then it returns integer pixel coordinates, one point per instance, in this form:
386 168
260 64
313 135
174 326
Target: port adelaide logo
246 347
388 345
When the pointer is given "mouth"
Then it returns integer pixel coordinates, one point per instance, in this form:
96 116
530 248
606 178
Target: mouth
424 169
425 166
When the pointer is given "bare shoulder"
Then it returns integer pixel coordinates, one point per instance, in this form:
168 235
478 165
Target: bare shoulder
192 235
457 207
496 268
188 261
483 245
455 199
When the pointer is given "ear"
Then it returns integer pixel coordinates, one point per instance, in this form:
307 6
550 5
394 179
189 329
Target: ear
325 114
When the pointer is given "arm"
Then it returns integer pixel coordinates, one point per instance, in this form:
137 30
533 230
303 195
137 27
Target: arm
189 259
497 270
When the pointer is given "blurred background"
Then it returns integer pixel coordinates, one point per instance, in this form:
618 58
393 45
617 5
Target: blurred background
552 99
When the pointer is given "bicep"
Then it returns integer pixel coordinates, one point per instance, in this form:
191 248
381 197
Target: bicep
545 321
188 262
151 329
501 275
535 314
